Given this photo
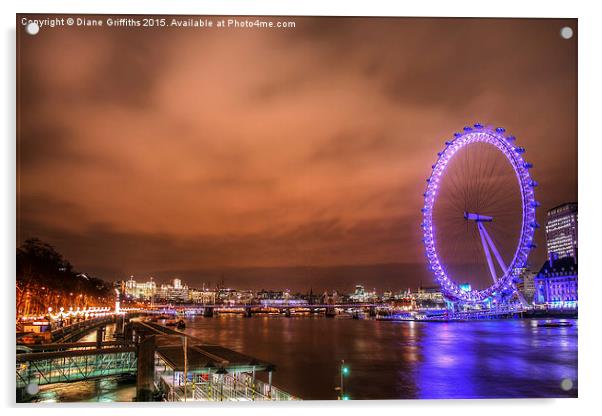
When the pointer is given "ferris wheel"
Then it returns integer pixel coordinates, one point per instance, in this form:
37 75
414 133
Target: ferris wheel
479 215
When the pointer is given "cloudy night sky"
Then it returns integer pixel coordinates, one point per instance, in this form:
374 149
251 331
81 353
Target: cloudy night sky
283 158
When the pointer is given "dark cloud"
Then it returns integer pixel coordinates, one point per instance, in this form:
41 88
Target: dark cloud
319 244
168 150
42 143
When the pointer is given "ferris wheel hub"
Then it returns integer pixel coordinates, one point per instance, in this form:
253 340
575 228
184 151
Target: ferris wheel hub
471 216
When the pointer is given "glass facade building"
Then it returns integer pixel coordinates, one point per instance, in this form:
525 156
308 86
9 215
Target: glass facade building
561 231
556 283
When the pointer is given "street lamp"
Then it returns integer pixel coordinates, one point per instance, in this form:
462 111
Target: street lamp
344 372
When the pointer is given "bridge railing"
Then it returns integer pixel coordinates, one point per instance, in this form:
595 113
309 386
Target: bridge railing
66 366
79 327
64 346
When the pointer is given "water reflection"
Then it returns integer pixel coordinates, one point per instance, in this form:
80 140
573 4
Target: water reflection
496 359
387 360
108 389
506 358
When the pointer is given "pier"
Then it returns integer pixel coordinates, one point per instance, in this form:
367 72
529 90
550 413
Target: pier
168 365
183 368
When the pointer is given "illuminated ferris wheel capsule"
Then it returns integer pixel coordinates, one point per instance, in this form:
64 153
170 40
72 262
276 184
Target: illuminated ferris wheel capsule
479 215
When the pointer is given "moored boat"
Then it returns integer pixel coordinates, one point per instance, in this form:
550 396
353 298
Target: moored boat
560 324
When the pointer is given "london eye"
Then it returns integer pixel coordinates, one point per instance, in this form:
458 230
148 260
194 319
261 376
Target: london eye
479 216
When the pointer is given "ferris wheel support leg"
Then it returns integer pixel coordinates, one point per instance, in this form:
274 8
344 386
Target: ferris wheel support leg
500 261
482 232
497 254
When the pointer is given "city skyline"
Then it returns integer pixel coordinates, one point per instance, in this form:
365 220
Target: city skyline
561 232
308 166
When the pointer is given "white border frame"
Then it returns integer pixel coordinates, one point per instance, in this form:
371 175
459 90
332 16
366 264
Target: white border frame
590 68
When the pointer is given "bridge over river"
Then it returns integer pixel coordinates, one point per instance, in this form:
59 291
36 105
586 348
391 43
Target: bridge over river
209 310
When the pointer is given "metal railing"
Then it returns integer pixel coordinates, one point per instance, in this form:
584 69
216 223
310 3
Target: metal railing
79 328
68 366
223 387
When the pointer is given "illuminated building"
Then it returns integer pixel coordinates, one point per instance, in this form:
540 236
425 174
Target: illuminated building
526 285
148 289
275 298
139 290
360 295
235 297
207 297
273 294
561 231
429 297
175 292
429 293
330 299
556 283
404 294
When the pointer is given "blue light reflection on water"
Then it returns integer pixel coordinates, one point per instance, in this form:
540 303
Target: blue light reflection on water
497 358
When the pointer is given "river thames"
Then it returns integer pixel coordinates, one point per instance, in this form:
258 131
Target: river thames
511 358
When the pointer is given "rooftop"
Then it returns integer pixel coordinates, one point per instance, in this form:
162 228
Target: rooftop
201 357
564 265
567 206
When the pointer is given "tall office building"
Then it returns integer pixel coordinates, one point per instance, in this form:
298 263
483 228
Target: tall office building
561 231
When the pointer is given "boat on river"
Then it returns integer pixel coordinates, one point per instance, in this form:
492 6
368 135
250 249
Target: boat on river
178 323
559 324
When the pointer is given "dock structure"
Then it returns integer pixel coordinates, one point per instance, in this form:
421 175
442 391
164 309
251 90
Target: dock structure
182 368
168 365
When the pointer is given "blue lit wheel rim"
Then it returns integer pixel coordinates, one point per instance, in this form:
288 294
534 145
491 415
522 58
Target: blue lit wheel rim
505 284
